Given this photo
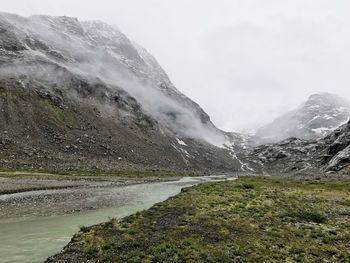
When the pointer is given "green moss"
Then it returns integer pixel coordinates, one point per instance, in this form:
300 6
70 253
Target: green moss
55 111
308 215
42 173
248 220
130 173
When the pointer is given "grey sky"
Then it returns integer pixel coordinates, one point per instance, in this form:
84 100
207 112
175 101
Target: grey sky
243 61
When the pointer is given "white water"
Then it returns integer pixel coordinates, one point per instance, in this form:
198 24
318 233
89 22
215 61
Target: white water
32 240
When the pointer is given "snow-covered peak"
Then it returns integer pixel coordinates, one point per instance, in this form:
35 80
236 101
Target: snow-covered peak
87 42
102 32
70 25
65 47
318 116
326 100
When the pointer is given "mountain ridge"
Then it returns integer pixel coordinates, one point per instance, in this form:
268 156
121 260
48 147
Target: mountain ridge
81 95
330 154
92 73
321 114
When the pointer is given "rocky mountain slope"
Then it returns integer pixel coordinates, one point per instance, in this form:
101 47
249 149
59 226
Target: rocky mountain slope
81 95
328 154
320 115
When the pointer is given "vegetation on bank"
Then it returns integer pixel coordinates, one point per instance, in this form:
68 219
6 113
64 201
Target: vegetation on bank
94 173
56 111
252 219
131 173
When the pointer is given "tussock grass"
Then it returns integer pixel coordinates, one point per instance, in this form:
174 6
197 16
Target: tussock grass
249 220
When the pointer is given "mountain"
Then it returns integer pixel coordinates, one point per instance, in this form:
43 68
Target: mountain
81 95
321 114
327 155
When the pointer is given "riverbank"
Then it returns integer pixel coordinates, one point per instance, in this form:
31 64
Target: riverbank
248 220
28 194
34 237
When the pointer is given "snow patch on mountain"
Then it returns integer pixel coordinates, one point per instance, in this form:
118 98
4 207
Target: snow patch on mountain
181 142
321 114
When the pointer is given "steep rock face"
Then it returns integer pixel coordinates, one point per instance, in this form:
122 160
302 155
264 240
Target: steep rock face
82 95
328 154
320 115
337 143
96 49
44 127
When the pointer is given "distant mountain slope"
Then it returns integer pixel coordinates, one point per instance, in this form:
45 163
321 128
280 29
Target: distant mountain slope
318 116
79 95
328 154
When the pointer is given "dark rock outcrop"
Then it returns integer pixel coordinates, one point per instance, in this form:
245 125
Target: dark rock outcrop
328 154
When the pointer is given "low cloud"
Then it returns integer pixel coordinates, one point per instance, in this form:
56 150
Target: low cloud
244 62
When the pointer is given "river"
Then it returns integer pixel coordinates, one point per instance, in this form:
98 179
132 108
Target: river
33 239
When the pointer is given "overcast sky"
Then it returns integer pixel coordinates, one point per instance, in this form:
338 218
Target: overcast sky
243 61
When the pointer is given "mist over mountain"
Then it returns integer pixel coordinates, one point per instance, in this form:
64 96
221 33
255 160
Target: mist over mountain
95 49
84 93
321 114
144 127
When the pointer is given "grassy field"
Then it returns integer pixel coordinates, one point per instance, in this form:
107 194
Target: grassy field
252 219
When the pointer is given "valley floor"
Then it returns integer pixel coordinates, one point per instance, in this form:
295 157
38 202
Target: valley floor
28 194
252 219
